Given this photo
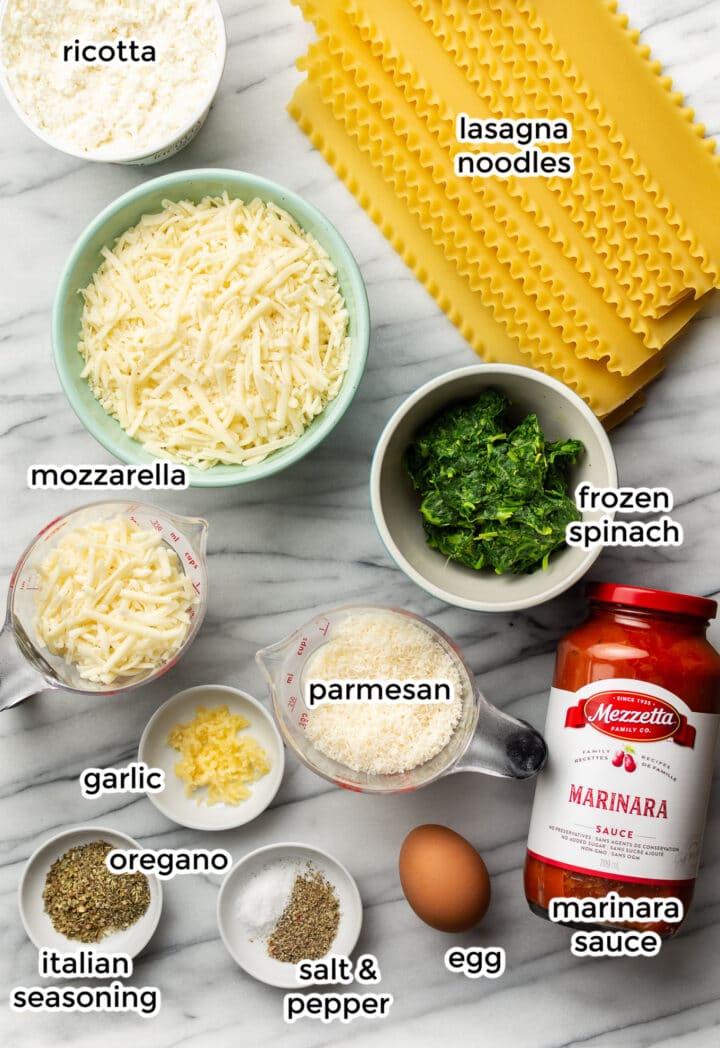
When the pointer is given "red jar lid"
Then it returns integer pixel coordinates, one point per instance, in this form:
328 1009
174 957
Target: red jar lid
653 599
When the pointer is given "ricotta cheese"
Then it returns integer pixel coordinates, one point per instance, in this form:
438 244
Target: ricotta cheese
215 332
111 110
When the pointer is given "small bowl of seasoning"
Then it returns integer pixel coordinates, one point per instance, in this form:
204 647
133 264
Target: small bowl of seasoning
70 901
287 903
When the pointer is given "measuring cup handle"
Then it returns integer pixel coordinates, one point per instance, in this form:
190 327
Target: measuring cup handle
503 746
18 680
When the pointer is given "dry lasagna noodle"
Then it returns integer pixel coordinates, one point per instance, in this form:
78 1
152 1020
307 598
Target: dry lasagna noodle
599 269
477 323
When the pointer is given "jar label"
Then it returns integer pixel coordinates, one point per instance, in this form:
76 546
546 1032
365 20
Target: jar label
625 789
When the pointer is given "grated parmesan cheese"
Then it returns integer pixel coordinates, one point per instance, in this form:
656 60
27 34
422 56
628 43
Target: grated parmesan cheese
378 738
214 756
215 332
113 600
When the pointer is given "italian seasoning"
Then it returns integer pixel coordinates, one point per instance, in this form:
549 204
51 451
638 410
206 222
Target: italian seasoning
85 901
309 923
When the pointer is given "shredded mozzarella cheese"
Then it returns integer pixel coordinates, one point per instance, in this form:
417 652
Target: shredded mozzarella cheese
378 738
113 600
215 332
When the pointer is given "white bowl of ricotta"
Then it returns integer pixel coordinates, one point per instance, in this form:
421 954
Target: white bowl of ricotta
129 85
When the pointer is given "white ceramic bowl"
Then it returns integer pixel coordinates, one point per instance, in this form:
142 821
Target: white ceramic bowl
155 751
251 954
32 911
396 506
162 150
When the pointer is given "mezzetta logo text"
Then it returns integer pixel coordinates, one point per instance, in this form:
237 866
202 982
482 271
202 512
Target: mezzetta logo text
608 713
631 716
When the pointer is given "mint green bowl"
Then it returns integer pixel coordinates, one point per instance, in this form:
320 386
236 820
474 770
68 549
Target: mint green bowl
126 211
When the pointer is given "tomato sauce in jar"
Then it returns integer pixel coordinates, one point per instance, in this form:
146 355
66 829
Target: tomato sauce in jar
631 730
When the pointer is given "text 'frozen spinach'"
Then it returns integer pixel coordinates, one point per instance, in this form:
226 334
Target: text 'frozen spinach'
492 496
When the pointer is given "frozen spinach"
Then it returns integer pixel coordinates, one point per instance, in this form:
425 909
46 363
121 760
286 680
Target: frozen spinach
493 496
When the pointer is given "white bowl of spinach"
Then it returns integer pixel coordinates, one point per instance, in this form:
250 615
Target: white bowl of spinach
472 486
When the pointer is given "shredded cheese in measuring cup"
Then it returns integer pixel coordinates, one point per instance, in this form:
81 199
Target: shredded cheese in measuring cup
113 600
382 739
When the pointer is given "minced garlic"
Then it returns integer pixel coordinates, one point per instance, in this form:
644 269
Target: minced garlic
213 755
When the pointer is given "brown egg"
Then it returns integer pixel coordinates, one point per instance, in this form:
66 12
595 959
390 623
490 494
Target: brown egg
443 878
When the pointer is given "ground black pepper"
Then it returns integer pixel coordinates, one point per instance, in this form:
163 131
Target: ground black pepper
309 923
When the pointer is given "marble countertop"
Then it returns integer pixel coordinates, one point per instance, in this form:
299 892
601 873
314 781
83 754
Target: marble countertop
304 540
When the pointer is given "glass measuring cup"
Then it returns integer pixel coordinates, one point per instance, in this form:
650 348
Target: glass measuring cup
26 665
485 739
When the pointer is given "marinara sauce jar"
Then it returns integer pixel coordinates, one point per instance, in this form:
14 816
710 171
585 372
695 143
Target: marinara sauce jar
631 729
